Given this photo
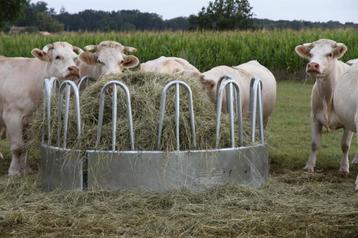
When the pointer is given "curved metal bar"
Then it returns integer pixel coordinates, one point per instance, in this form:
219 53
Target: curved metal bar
165 90
229 85
66 86
256 109
115 83
227 92
49 85
84 80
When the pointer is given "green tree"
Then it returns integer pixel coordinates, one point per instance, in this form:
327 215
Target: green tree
223 15
39 16
10 11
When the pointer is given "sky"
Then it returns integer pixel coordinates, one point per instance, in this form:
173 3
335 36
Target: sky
311 10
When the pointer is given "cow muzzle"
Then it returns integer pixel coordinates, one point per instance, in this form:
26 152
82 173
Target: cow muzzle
73 73
313 68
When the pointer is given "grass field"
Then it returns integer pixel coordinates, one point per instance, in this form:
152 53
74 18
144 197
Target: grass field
274 49
293 203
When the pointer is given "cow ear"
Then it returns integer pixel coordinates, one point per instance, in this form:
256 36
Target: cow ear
129 50
40 54
339 50
77 50
130 61
304 50
192 74
88 58
90 48
207 83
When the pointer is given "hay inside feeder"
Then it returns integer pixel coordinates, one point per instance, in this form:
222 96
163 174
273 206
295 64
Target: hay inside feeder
145 91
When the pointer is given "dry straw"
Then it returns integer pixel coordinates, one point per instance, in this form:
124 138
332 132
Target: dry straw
145 90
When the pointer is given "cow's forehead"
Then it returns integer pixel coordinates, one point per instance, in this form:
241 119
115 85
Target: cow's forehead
62 48
108 54
109 44
322 47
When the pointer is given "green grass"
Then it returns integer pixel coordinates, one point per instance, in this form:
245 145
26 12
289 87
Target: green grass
293 203
289 131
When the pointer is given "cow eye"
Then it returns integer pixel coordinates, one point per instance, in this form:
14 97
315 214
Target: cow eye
99 62
58 57
329 55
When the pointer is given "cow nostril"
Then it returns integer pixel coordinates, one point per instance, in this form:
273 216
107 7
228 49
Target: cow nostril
313 66
72 68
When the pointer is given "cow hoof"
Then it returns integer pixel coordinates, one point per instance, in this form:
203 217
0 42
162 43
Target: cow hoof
344 171
309 169
355 161
14 172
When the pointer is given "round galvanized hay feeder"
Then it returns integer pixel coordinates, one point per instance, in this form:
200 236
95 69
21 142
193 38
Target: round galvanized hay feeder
195 170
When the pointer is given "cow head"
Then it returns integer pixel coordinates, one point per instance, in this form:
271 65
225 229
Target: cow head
210 86
61 58
110 57
322 55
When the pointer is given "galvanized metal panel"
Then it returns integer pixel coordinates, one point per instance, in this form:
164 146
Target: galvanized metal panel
193 170
61 169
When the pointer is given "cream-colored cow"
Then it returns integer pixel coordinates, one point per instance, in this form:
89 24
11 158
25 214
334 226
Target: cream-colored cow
21 91
108 57
324 65
352 61
345 101
170 65
243 74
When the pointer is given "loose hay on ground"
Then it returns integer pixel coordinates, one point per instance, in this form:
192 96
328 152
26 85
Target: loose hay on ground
293 204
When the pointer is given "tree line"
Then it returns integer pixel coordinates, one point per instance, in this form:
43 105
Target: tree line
218 15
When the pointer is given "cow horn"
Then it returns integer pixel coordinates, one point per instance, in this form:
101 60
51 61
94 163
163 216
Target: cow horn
308 45
90 48
47 47
77 50
128 49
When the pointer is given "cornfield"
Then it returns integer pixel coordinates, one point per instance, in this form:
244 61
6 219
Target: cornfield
274 49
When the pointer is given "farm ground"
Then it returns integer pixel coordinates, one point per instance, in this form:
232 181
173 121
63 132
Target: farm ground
293 203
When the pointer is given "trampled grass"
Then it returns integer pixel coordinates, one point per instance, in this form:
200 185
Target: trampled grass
293 203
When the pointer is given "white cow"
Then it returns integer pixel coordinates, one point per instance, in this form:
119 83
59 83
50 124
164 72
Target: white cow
243 74
108 57
324 65
352 61
21 91
170 65
345 101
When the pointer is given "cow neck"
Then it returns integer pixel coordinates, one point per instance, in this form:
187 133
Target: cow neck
326 86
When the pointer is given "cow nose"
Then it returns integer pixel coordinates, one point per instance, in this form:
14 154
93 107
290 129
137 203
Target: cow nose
74 70
313 67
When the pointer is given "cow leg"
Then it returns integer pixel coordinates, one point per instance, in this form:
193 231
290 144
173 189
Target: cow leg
316 129
14 127
345 144
355 160
357 183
